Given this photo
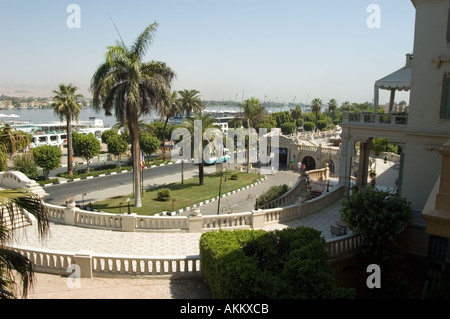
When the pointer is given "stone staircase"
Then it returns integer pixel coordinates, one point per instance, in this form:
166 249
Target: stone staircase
14 221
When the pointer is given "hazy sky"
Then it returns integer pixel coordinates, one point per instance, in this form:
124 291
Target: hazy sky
283 50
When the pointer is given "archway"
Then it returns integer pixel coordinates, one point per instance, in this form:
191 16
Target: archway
309 162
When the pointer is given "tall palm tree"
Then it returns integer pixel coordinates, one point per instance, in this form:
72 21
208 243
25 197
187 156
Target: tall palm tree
206 122
316 105
129 87
65 106
332 106
12 263
253 113
169 109
190 102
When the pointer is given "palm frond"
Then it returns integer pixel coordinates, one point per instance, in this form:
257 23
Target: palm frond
12 264
142 42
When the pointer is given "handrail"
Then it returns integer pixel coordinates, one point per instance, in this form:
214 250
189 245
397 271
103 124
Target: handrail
64 263
293 192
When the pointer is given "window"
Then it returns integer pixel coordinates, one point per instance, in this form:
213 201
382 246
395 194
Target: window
448 27
445 102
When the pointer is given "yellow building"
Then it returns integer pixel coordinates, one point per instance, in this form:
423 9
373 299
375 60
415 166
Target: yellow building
423 134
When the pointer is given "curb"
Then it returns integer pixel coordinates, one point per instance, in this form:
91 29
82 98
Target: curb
103 175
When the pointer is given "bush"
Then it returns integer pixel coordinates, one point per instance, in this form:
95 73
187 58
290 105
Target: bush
272 193
288 263
380 218
25 164
164 194
234 177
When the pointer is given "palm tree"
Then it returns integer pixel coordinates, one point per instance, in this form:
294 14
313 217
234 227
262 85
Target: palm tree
346 106
65 106
316 105
253 113
190 102
206 122
12 263
11 140
169 109
332 106
131 88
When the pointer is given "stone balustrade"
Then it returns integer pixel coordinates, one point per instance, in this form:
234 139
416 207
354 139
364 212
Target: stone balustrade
85 265
16 179
191 223
378 118
338 247
291 195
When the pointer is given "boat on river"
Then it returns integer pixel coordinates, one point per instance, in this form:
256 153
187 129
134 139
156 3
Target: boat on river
54 133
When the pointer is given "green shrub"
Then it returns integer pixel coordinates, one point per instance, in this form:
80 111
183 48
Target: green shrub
164 194
379 217
26 165
289 263
234 176
272 193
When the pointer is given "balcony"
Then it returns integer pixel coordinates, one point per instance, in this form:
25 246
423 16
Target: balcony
379 119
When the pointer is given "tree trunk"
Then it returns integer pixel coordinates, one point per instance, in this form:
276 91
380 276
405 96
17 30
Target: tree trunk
248 146
134 134
164 138
69 146
201 173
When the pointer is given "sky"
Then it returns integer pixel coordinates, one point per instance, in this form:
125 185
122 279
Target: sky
276 51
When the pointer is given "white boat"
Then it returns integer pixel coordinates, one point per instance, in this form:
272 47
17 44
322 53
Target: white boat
54 133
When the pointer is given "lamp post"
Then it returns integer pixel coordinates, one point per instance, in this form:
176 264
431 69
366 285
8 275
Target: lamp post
128 201
82 195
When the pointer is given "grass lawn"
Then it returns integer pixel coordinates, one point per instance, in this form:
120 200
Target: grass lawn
182 195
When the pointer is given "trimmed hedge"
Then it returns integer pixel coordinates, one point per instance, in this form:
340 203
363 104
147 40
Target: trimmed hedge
248 264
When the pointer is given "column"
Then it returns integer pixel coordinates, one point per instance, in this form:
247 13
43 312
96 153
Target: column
346 159
363 171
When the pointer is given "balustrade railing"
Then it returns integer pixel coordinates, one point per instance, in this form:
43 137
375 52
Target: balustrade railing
343 245
236 220
162 223
145 266
61 263
378 118
288 197
103 265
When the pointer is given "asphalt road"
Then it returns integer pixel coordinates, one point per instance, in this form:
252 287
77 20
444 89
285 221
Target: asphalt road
58 193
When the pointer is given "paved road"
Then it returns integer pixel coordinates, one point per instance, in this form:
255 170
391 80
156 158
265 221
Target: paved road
118 184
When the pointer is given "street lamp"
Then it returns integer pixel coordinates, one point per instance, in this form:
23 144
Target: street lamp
128 201
82 195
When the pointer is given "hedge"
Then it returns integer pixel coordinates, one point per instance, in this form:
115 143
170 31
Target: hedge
255 264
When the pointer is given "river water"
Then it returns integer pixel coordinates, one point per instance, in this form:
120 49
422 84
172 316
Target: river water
46 115
36 115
